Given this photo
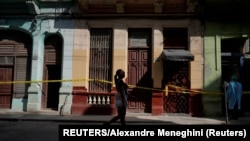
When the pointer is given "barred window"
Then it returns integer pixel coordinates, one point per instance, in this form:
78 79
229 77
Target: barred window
100 66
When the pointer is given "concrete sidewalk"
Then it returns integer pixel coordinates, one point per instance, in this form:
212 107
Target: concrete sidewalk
130 118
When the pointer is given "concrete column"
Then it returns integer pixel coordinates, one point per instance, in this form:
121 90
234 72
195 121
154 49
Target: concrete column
35 90
81 53
157 70
120 48
65 97
195 31
80 58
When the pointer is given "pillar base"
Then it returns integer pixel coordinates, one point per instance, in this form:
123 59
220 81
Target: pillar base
34 98
65 100
157 103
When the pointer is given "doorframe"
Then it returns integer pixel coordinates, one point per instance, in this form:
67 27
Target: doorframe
52 56
145 43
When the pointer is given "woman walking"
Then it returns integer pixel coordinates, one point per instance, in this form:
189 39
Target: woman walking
120 97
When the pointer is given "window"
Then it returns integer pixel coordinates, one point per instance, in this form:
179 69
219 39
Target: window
100 66
175 38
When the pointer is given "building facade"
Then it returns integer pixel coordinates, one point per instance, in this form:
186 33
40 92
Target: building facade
226 52
62 55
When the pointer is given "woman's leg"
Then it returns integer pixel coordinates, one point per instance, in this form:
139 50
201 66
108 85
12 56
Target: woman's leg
115 118
122 115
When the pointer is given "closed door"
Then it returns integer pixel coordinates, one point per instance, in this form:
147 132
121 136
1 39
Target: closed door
6 74
139 75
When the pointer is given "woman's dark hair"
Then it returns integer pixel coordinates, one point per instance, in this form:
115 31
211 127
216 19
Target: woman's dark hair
118 75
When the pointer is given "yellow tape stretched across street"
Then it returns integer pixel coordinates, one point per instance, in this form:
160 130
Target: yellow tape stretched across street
166 90
185 90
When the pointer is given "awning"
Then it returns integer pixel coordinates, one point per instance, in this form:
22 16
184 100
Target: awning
177 55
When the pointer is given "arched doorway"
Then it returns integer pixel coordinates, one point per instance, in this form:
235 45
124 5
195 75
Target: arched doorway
15 65
52 71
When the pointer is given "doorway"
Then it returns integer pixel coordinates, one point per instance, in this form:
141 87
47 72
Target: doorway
52 72
233 63
139 70
15 65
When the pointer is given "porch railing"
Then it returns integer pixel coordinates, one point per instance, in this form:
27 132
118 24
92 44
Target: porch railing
89 103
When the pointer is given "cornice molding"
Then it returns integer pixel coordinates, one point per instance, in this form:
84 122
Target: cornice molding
143 7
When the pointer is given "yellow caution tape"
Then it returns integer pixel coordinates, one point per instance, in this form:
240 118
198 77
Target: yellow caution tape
178 89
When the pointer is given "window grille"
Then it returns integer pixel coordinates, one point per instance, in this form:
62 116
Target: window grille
100 66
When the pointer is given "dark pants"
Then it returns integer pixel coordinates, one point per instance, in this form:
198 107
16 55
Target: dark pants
121 115
234 113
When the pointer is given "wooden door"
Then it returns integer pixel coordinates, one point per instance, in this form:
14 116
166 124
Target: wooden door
50 92
6 74
139 75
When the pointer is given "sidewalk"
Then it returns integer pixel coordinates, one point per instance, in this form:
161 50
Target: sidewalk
131 118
